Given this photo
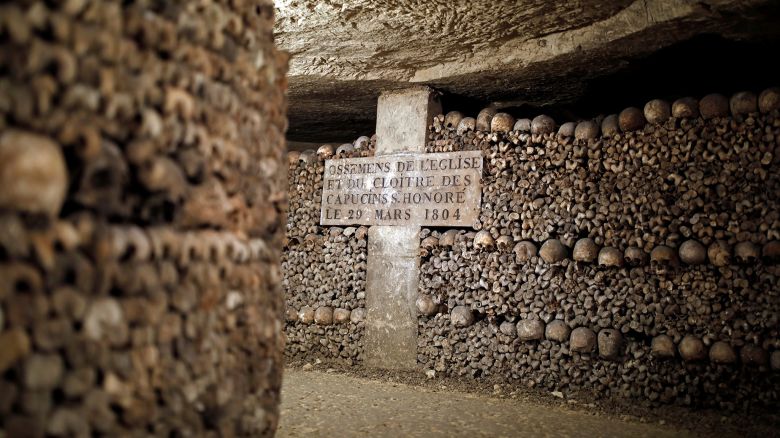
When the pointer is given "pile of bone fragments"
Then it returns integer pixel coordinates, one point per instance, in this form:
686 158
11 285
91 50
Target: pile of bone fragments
634 255
142 201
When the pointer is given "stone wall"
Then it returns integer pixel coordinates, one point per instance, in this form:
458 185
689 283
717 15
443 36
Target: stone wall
141 219
638 262
633 255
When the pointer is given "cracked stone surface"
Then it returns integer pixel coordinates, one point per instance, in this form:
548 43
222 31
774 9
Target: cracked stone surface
329 404
345 52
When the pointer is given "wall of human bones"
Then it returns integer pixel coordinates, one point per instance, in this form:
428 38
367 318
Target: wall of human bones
324 267
141 218
633 255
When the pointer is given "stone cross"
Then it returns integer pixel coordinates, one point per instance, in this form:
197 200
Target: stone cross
393 268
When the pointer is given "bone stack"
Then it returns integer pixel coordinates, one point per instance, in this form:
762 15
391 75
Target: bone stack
142 205
663 225
324 268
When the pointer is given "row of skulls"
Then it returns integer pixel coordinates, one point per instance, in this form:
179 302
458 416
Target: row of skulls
325 315
328 151
690 252
656 111
610 341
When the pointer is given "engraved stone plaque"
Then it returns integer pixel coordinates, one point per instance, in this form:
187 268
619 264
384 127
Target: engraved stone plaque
403 189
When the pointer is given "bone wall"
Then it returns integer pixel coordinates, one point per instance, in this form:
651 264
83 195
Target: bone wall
632 256
141 219
324 268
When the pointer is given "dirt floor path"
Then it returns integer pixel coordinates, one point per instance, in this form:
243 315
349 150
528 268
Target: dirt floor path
325 404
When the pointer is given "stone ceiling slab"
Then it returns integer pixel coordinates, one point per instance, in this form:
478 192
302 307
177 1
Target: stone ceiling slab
344 53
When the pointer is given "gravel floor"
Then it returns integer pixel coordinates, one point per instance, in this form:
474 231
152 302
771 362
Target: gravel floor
329 404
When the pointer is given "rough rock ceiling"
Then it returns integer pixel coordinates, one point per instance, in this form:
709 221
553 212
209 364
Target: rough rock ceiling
525 52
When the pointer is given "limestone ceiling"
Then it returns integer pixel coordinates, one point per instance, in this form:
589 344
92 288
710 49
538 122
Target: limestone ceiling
344 53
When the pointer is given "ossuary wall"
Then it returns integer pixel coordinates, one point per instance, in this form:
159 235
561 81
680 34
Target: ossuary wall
142 198
633 255
324 267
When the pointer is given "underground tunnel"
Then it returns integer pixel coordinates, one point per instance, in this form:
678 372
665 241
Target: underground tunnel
409 218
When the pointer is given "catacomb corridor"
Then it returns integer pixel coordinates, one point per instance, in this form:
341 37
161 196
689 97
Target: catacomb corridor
350 218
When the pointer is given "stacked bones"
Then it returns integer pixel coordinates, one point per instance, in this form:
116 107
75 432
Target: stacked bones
324 267
141 217
658 237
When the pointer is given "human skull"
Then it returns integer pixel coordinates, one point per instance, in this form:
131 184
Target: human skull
610 343
582 340
552 251
691 349
341 316
567 129
447 238
557 330
484 241
502 122
358 315
466 124
504 243
692 252
719 253
771 251
769 100
662 346
427 245
657 111
753 355
634 256
713 105
611 257
323 315
325 151
361 232
33 174
311 240
429 242
306 315
104 178
293 157
610 126
522 125
484 118
425 305
308 156
165 243
747 253
585 250
586 130
462 316
524 251
362 143
346 148
542 124
631 119
453 119
685 108
723 353
530 330
663 259
742 103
